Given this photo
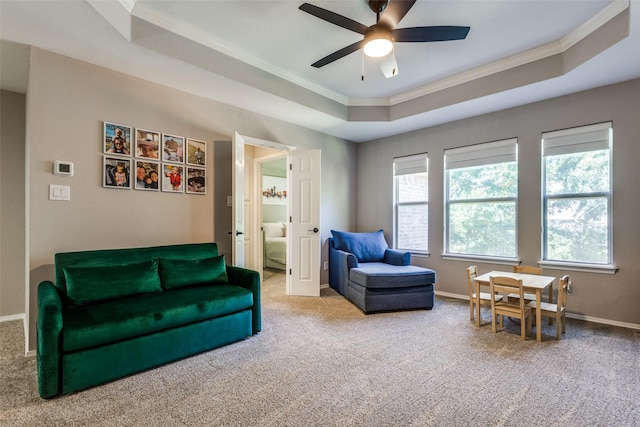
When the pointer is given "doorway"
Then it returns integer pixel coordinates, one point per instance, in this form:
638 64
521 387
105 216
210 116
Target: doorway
302 229
271 172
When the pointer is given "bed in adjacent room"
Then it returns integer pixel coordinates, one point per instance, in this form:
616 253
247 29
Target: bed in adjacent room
274 245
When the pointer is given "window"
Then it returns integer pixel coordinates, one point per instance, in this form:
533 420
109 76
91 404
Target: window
481 191
576 191
411 195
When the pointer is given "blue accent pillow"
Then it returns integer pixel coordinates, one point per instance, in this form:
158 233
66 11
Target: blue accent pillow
367 247
396 257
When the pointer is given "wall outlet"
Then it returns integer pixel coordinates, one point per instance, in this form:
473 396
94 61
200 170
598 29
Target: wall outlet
326 265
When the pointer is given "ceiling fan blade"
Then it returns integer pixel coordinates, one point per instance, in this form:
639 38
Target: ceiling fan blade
388 65
430 34
338 54
395 11
334 18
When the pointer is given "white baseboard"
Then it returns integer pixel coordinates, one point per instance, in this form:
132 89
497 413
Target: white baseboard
11 318
23 317
603 321
569 314
450 295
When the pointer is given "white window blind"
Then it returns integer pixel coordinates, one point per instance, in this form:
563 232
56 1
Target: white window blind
411 203
576 140
410 164
481 154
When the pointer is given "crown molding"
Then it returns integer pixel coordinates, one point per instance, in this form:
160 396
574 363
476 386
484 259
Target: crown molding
128 4
553 48
143 11
607 14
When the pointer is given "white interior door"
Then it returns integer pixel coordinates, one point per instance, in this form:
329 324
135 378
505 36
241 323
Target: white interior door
249 210
304 223
237 206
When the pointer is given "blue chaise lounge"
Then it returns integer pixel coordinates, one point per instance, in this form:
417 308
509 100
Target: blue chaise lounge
376 278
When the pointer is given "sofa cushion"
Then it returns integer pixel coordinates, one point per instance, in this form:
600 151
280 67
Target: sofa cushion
367 247
87 284
381 275
177 273
103 323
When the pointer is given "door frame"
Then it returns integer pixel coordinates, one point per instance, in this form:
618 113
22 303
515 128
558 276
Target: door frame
257 182
286 150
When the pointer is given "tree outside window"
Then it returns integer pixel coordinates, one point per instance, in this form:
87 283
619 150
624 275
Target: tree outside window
577 195
481 200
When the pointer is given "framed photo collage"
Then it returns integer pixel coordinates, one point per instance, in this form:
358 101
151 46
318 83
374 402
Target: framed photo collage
148 160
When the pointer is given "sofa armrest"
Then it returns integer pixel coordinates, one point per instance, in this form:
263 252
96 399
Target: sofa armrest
49 340
340 262
250 280
396 257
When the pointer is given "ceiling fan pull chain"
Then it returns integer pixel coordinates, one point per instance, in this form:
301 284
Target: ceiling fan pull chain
393 52
362 56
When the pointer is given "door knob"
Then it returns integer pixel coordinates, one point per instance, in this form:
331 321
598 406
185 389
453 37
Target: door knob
239 233
315 229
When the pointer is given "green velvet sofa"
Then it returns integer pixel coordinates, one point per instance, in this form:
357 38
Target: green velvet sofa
112 313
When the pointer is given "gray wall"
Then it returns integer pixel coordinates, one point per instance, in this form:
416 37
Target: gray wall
12 202
274 213
68 101
595 296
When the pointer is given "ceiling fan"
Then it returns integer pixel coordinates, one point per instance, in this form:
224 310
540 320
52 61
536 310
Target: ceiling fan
379 38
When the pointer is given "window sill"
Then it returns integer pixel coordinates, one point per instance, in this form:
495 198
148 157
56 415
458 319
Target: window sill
420 254
571 266
484 259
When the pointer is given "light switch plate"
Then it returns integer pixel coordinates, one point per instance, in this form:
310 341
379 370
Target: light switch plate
59 192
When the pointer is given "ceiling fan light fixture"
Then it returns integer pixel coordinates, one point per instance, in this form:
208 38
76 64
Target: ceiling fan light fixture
378 43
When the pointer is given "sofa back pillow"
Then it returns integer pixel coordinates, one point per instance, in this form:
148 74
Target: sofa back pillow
108 257
367 247
92 284
178 273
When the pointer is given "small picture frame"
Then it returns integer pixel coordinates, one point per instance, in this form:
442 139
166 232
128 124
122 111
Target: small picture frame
147 176
172 148
147 144
116 139
116 172
196 152
172 178
196 181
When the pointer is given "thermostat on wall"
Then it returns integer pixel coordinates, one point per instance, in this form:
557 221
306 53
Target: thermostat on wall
61 167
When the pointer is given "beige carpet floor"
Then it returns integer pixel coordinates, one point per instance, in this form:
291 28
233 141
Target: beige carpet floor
321 362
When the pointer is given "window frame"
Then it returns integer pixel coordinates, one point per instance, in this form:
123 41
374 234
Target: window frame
486 153
580 139
409 165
